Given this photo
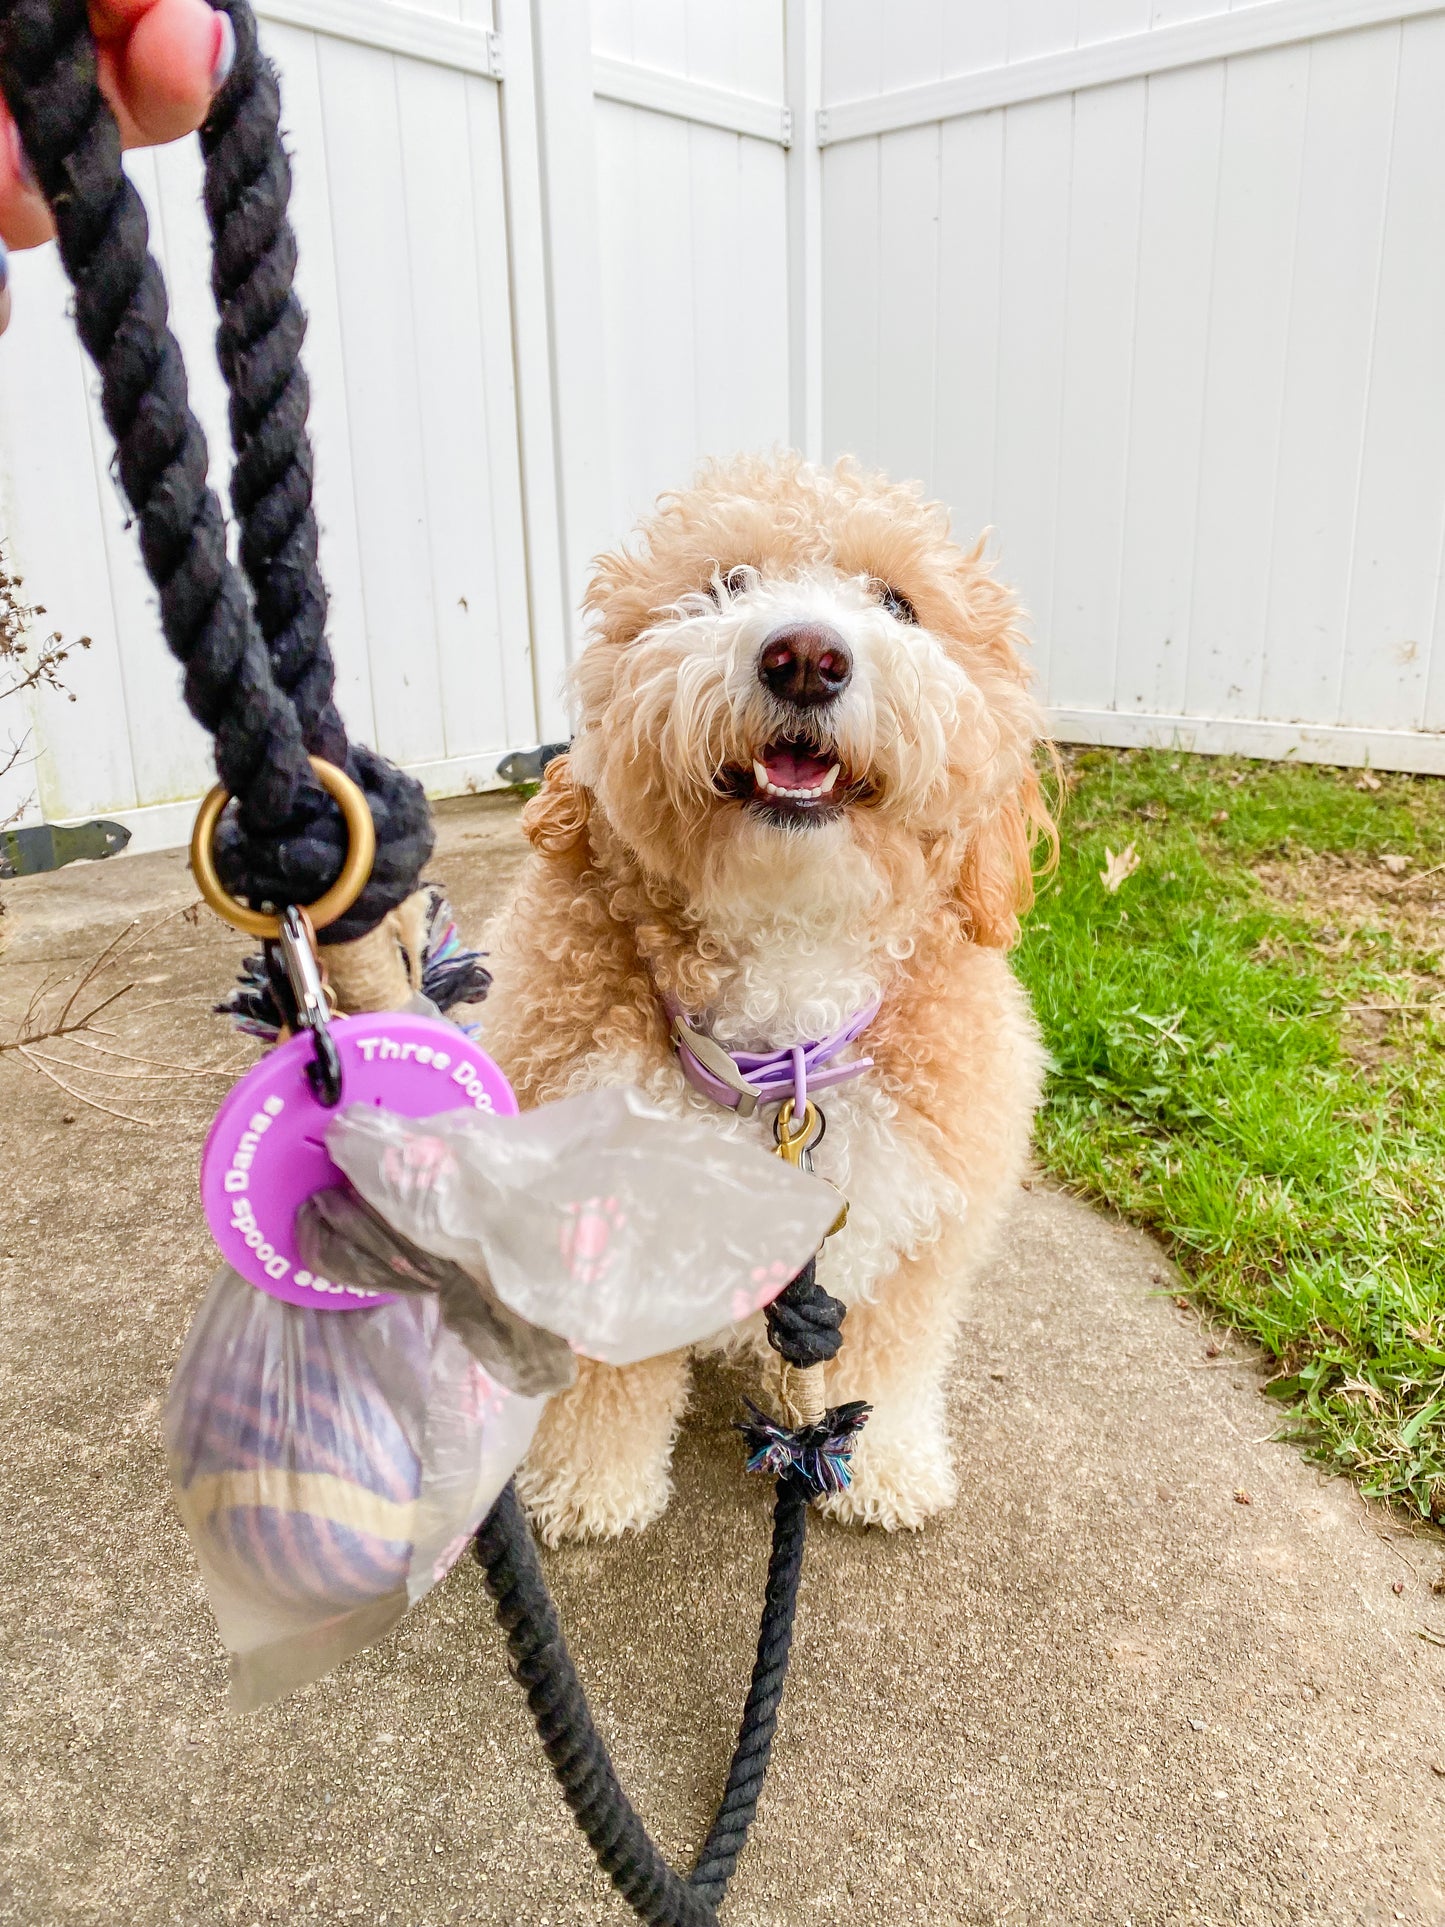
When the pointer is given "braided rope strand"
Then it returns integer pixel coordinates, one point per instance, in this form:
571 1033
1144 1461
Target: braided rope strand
729 1831
258 345
284 842
47 62
543 1667
262 327
807 1328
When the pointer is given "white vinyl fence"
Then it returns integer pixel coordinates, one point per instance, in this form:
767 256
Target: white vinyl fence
1156 288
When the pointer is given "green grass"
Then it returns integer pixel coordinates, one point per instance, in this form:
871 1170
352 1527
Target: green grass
1210 1082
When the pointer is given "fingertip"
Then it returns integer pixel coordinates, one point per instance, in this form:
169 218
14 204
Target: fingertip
167 72
24 218
110 60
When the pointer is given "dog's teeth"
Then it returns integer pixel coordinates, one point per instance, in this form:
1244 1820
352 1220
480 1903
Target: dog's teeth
783 795
797 796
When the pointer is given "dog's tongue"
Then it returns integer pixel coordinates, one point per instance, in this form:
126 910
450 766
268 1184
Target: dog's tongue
794 768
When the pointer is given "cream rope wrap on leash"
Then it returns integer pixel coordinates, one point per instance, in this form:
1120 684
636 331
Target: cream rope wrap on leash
383 969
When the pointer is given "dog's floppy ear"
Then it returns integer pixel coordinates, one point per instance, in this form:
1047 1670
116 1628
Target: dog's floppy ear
994 880
555 820
996 877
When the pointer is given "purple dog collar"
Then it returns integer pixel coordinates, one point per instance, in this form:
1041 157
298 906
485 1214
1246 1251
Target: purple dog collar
741 1080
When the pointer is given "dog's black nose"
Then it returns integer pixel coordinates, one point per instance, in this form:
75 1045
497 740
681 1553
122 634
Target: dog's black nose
805 663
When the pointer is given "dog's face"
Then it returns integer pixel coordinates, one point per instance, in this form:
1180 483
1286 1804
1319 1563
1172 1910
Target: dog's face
803 699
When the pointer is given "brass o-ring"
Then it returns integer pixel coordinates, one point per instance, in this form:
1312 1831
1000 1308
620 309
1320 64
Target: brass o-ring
333 903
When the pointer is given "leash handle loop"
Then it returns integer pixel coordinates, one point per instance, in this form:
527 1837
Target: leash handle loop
285 841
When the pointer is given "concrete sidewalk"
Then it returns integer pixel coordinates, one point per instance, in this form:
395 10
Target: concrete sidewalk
1104 1689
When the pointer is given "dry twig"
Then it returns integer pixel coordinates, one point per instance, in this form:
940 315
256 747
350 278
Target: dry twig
65 1011
25 665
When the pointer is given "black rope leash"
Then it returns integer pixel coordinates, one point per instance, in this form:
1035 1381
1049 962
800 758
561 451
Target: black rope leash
247 191
259 678
805 1327
283 842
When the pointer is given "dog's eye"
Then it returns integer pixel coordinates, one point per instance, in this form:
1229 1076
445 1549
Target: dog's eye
735 581
895 602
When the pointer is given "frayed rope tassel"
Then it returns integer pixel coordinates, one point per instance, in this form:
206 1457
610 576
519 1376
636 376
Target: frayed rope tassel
818 1456
450 974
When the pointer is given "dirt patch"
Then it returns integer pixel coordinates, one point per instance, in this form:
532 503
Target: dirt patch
1370 913
1344 895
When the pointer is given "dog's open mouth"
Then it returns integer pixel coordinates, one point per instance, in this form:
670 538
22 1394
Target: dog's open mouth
791 778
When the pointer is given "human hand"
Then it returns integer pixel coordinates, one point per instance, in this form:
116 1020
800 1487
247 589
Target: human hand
161 62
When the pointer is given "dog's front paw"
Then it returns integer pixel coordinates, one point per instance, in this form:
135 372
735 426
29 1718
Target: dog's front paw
600 1463
592 1501
900 1479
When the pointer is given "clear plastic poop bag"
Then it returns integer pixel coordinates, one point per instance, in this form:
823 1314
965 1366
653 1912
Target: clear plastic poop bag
331 1465
626 1231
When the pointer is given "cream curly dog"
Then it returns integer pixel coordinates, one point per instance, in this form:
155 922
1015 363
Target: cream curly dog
802 780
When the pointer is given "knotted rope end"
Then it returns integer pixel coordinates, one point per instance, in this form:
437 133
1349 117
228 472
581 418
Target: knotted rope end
817 1456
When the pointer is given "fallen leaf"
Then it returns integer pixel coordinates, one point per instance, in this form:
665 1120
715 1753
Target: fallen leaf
1242 1497
1117 868
1365 781
1437 1584
1220 816
1396 865
1435 1639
